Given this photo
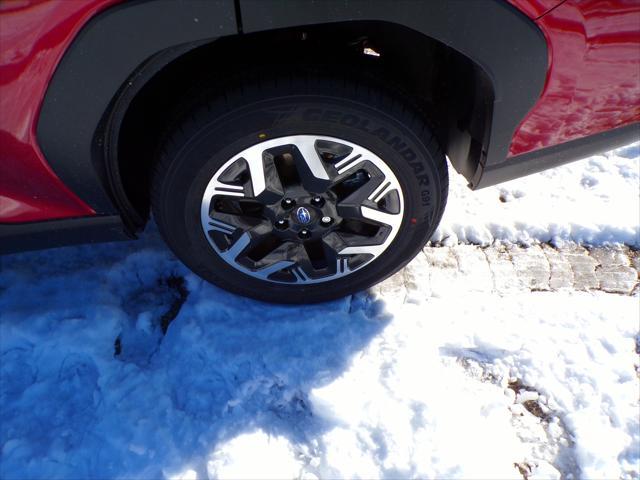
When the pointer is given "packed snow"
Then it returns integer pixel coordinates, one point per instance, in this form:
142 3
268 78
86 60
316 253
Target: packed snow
459 385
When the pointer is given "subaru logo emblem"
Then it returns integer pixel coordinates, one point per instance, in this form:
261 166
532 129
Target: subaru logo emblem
303 215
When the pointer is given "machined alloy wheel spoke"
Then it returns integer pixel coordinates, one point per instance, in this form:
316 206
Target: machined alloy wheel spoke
231 255
307 149
216 225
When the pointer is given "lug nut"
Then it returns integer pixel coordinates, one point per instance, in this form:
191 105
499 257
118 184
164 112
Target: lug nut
317 201
326 220
288 203
304 233
281 224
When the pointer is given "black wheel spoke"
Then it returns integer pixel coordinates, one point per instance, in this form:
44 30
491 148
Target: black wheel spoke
262 243
350 207
240 213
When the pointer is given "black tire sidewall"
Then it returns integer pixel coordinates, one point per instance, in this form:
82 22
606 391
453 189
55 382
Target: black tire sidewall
212 143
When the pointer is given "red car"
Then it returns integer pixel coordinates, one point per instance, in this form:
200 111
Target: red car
295 151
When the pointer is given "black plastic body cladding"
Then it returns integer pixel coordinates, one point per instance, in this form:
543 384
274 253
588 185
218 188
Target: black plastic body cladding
550 157
496 36
107 51
21 237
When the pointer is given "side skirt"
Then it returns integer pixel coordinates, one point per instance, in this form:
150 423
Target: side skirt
22 237
539 160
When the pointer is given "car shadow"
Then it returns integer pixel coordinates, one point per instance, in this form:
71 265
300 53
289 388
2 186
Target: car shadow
118 362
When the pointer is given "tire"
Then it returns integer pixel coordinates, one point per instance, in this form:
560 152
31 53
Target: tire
334 115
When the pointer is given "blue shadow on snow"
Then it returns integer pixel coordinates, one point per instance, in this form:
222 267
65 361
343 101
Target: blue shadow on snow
92 388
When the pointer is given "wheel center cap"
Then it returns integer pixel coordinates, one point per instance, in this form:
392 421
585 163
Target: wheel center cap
303 216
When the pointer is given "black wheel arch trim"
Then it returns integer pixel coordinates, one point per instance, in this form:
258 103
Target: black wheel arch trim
120 49
113 55
506 44
108 132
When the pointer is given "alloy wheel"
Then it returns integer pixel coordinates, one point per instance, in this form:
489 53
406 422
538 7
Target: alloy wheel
302 209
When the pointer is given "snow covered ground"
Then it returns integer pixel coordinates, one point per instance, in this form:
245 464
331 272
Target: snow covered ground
594 201
446 383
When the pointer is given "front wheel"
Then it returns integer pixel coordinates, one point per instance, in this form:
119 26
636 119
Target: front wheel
298 191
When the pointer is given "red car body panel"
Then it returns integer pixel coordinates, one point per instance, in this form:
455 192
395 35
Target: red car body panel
34 35
592 85
593 81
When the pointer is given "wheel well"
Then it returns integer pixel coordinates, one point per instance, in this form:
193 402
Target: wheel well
453 93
